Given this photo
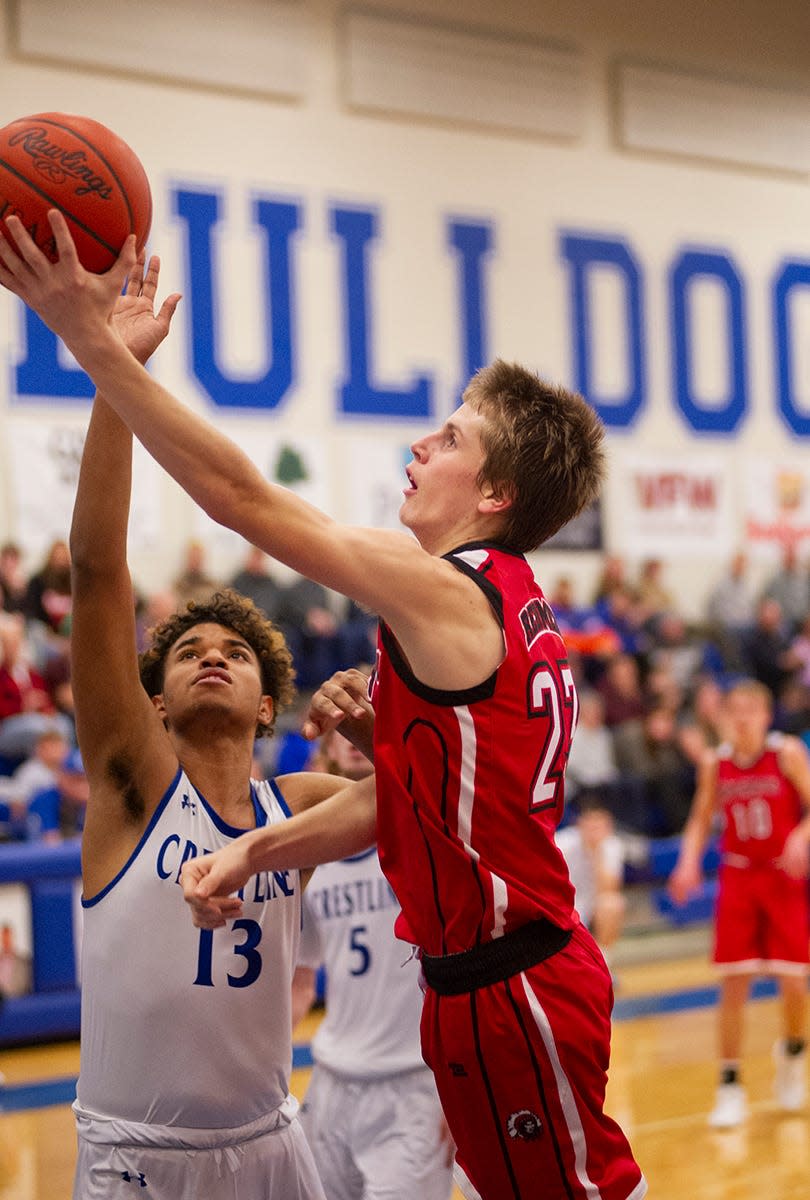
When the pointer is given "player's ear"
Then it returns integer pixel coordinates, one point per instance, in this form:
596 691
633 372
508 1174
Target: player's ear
495 499
266 711
160 707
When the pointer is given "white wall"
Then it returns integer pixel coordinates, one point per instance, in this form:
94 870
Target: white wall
657 128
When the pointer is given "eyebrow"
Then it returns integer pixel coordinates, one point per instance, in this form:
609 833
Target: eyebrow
194 639
451 427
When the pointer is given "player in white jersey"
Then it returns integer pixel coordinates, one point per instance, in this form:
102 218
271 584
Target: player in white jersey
371 1113
186 1034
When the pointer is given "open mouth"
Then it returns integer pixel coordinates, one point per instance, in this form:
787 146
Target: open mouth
411 488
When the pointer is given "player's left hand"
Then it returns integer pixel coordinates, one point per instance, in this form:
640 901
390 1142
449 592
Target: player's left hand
209 882
795 857
342 700
134 318
72 301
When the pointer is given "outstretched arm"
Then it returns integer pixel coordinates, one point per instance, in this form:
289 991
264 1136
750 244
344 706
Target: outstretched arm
442 620
116 723
343 825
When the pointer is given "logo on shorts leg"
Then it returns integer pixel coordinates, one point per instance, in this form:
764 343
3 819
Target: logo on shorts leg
524 1124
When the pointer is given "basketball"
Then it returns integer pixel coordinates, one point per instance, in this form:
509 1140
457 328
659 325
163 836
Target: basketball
75 164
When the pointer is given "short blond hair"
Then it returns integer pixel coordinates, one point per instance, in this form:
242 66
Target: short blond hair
543 448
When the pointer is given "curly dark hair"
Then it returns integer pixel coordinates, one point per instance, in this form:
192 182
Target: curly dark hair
240 614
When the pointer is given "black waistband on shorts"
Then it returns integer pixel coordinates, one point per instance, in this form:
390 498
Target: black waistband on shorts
492 962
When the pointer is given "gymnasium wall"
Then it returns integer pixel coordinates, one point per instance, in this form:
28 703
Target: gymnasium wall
362 203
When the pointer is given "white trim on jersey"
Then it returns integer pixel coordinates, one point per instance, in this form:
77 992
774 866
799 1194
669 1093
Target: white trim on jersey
473 558
567 1101
466 803
463 1184
466 782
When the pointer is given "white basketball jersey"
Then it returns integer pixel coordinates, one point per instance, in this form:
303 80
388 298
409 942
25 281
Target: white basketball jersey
373 999
182 1026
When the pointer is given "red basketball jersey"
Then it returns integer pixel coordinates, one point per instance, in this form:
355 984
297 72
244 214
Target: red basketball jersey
758 804
470 783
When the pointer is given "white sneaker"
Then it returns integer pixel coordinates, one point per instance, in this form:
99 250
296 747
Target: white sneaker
730 1108
790 1082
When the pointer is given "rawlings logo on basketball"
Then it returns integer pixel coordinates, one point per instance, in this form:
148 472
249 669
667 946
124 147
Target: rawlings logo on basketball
59 164
525 1125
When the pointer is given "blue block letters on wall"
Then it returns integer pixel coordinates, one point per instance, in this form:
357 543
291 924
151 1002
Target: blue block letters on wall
792 275
473 242
200 211
40 373
582 252
688 266
356 228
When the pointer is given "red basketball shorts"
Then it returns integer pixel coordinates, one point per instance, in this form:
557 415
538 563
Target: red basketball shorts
762 920
521 1068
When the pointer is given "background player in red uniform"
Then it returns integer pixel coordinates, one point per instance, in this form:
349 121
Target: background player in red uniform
759 786
475 707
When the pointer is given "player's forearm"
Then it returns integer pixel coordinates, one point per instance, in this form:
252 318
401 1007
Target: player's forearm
206 464
98 534
336 828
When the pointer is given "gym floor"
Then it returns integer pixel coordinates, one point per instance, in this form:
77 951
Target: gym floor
661 1088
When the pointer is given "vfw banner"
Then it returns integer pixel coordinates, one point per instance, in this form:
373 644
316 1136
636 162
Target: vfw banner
672 504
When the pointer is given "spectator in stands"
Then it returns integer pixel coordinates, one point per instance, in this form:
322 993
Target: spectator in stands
26 708
255 581
766 647
790 587
583 629
621 690
58 811
613 578
677 647
622 613
320 643
35 773
707 710
13 582
47 596
649 750
661 688
156 608
40 769
730 610
595 858
563 602
654 597
592 760
792 710
194 581
799 652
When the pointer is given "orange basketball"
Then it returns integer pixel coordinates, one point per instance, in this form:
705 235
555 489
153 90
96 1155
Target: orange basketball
75 164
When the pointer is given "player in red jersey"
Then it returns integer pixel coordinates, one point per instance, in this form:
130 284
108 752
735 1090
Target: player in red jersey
475 709
759 785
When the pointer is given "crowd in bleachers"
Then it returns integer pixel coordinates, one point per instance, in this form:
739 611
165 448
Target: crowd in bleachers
650 682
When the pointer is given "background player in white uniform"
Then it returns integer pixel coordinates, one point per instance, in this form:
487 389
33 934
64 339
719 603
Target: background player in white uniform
595 858
371 1114
186 1040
